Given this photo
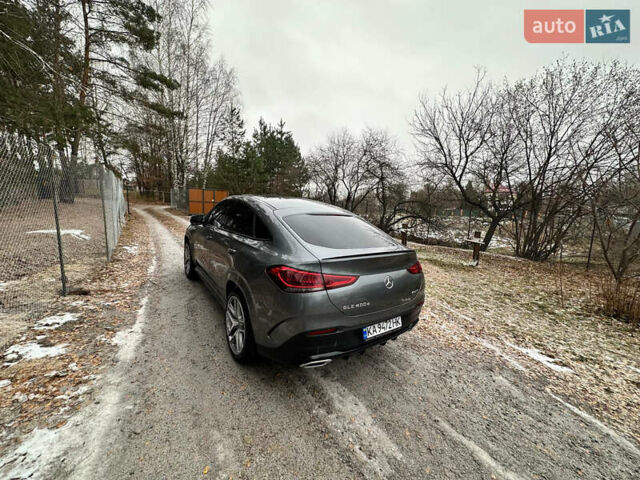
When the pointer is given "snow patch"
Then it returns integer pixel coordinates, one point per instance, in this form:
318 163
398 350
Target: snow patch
55 321
32 350
131 249
25 461
5 383
128 339
79 234
482 341
538 356
152 267
634 369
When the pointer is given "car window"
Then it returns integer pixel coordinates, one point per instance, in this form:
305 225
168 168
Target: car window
261 232
337 231
237 218
214 213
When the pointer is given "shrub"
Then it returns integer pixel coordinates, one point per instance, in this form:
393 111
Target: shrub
621 299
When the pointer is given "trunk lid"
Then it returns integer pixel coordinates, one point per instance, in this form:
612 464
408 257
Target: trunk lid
348 245
383 281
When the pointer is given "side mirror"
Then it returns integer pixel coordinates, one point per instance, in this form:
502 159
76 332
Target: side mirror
197 219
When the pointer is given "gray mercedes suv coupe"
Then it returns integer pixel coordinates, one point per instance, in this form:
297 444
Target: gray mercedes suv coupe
301 281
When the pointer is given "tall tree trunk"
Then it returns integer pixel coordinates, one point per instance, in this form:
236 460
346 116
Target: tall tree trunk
495 221
82 100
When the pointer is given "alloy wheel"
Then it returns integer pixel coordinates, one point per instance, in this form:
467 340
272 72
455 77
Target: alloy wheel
235 325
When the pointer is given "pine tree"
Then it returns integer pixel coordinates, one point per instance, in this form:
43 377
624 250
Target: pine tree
233 131
284 172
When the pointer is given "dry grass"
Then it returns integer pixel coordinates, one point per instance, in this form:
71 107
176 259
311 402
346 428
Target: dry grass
621 300
44 392
511 302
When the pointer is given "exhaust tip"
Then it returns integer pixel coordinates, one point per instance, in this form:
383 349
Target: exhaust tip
315 363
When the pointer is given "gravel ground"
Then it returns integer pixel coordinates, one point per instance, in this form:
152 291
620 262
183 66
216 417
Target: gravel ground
177 406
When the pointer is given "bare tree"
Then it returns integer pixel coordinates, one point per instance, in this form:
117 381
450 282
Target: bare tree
530 145
459 137
367 175
553 114
613 189
185 119
339 170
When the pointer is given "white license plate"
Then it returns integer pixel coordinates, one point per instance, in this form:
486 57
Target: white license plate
382 327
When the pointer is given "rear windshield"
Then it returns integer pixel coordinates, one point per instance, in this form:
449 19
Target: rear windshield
337 231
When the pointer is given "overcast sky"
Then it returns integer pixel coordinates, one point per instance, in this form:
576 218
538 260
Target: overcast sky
322 65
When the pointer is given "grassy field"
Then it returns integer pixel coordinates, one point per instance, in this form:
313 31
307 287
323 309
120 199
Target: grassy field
543 318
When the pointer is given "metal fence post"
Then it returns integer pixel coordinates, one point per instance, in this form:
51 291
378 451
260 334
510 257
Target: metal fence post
593 234
476 247
126 185
54 196
104 212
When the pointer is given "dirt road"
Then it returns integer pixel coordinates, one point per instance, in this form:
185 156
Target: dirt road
179 407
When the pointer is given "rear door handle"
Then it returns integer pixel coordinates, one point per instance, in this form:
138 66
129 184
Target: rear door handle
232 251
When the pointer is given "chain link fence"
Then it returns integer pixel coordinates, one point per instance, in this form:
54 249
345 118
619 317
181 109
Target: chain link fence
180 198
59 221
113 207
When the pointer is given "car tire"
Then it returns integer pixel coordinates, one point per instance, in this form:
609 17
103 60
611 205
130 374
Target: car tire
189 266
238 330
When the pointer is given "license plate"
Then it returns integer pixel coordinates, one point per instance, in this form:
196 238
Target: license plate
382 327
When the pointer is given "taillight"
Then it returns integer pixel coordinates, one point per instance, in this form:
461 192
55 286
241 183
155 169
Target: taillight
415 268
294 280
337 281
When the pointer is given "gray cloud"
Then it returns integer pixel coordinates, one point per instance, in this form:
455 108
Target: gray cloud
326 64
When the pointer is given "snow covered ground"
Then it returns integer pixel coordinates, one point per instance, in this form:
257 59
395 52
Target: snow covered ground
30 351
56 321
79 234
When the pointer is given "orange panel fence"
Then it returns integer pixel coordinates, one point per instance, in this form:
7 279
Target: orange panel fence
201 200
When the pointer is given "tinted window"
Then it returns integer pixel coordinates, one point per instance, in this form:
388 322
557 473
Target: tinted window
261 230
214 213
237 218
337 231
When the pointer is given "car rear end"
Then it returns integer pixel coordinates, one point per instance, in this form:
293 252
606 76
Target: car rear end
364 290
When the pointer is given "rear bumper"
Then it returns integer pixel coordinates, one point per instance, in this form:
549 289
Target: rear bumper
304 348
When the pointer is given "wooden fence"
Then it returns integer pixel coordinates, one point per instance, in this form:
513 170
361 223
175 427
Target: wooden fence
201 200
